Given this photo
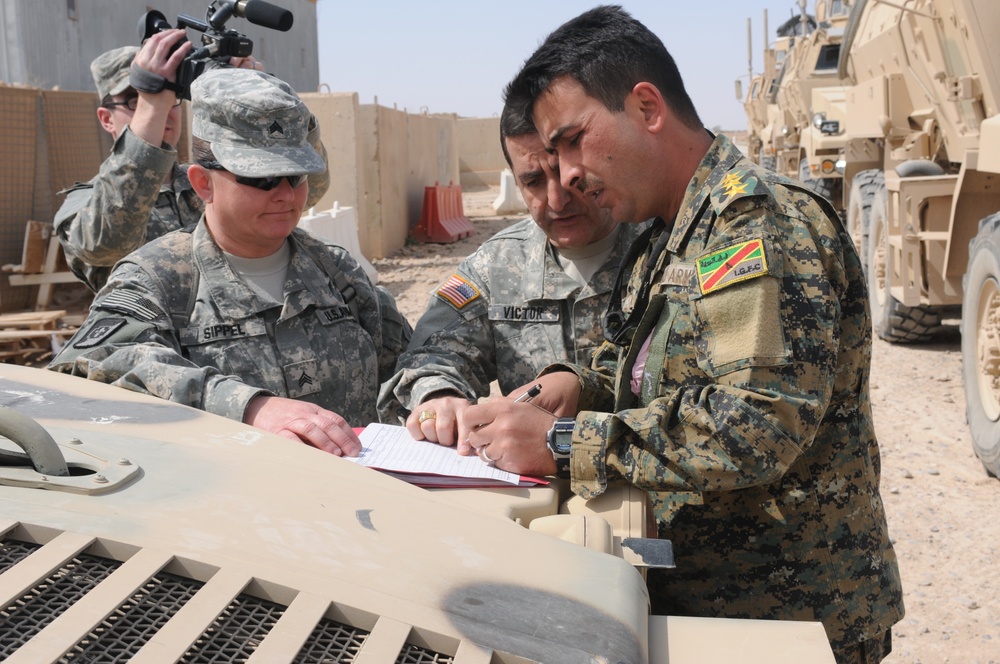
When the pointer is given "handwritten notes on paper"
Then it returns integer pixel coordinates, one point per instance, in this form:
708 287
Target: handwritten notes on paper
392 450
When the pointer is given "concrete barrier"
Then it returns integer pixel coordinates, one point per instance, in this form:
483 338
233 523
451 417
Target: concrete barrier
339 225
510 200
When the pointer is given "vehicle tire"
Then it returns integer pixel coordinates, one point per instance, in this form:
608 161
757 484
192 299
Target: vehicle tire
981 342
825 187
859 206
892 320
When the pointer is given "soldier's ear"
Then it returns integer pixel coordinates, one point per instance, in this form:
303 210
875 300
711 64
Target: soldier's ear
104 115
648 105
201 181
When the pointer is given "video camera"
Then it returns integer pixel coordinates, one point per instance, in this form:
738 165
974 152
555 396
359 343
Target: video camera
218 43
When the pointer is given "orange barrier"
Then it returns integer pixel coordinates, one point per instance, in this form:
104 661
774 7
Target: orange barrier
442 219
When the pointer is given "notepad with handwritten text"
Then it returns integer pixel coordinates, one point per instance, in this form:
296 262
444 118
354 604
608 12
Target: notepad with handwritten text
391 449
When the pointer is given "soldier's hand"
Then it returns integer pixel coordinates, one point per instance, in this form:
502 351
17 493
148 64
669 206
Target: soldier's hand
248 62
441 421
303 422
560 393
155 57
512 435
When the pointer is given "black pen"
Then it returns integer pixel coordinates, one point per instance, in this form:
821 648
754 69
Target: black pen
530 394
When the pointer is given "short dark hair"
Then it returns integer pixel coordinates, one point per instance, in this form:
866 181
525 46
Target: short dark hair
608 53
513 123
201 150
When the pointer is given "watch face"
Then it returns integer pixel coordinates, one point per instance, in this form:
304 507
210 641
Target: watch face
564 443
561 441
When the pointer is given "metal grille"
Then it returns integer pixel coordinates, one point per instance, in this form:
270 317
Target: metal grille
37 608
412 654
331 642
13 552
236 633
125 631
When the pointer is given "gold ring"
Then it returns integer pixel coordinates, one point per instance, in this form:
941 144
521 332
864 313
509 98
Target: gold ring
426 415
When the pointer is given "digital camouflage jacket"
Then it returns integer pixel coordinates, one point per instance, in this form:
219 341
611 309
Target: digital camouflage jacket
751 422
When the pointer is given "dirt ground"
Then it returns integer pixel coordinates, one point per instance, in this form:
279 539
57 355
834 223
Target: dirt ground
943 509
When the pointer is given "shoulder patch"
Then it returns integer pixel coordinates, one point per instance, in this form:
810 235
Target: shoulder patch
457 291
731 265
734 185
131 304
99 331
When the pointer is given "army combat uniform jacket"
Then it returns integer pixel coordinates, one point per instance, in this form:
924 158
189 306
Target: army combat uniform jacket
127 204
177 322
748 416
508 311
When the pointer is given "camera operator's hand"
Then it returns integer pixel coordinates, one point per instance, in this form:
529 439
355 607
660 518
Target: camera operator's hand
248 62
152 121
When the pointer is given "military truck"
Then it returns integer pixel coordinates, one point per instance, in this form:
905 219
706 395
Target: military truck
921 166
764 117
811 96
795 107
137 529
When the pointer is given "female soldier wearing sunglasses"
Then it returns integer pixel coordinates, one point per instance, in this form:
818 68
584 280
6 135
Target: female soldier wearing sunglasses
242 315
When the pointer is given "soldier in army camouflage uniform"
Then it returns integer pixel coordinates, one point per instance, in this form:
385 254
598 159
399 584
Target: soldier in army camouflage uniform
242 315
735 385
531 295
140 192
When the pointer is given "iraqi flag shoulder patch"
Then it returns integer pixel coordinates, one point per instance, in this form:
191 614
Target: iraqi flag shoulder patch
458 291
731 265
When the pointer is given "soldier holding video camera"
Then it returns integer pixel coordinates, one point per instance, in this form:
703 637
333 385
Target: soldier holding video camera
140 192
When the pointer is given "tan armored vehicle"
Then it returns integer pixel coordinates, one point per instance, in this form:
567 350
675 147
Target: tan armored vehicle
134 529
795 108
922 168
811 98
764 119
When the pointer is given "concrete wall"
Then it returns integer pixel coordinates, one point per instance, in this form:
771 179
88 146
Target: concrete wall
380 161
481 159
401 155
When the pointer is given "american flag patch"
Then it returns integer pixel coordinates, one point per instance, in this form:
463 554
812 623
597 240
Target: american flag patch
132 304
458 291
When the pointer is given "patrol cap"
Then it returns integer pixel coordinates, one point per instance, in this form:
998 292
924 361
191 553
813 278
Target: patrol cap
255 122
110 70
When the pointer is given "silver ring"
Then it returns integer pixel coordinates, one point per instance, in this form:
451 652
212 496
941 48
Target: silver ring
484 456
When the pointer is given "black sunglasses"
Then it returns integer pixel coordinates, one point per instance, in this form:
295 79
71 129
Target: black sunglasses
131 102
264 184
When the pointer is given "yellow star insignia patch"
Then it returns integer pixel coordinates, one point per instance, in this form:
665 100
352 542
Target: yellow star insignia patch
734 184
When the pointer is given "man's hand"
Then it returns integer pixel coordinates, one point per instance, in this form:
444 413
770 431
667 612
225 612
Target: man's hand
149 122
512 435
560 393
303 422
446 426
248 62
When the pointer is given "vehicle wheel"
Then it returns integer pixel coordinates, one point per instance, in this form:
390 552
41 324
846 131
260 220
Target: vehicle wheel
825 187
859 206
892 320
981 342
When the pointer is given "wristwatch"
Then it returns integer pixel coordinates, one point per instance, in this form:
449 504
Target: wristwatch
560 442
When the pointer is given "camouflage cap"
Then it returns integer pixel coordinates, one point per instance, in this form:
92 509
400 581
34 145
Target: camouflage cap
255 122
110 70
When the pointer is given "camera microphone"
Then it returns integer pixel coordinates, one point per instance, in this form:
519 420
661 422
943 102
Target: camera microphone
264 13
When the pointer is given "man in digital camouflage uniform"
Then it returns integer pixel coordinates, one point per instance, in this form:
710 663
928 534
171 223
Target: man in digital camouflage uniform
531 295
243 315
140 192
736 389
